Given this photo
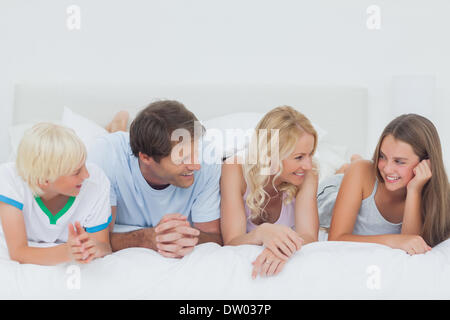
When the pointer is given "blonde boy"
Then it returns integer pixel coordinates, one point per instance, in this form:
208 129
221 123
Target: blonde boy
50 195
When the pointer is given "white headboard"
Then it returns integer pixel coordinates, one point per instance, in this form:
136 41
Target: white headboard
342 111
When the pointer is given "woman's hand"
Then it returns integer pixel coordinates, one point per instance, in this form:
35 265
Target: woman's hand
267 264
310 182
422 173
312 176
281 240
411 244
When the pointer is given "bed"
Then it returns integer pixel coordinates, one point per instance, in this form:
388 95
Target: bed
321 270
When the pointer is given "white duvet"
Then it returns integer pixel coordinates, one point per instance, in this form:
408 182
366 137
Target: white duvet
321 270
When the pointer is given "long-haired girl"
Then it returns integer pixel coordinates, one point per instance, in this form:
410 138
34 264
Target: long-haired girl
401 198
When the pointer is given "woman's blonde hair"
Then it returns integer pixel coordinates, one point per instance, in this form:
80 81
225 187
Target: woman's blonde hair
46 152
287 125
422 136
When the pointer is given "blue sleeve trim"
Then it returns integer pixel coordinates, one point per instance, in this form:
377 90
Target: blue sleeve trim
11 202
100 227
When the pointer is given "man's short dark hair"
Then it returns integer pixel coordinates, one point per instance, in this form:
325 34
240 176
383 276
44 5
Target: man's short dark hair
151 130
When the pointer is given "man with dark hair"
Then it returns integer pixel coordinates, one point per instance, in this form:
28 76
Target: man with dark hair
157 182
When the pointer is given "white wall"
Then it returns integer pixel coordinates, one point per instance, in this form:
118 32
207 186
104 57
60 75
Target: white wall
185 41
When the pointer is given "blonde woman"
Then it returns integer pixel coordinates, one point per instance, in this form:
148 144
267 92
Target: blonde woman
401 198
275 208
50 195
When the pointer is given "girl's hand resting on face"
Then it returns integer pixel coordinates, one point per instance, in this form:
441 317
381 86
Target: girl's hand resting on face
281 240
422 174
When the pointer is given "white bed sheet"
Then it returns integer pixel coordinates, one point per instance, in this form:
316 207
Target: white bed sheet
321 270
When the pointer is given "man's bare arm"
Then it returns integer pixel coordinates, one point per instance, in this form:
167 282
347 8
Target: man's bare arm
143 238
210 237
147 237
209 232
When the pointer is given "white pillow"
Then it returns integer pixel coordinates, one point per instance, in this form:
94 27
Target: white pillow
16 133
229 134
329 157
85 128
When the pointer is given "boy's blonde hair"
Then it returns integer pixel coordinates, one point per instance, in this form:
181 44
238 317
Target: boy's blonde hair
46 152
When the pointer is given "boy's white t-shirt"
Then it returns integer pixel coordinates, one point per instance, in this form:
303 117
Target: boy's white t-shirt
91 207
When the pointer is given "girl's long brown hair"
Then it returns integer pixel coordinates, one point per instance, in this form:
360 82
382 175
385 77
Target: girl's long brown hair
422 136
